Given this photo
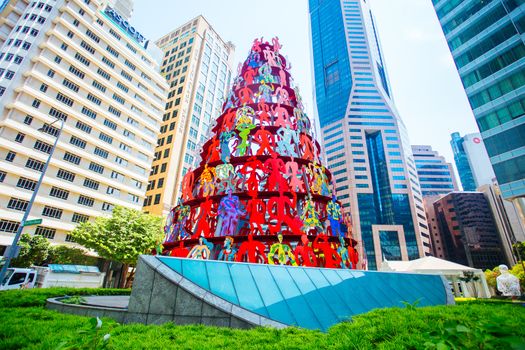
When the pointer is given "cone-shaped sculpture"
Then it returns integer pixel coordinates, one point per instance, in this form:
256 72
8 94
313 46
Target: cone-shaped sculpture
261 193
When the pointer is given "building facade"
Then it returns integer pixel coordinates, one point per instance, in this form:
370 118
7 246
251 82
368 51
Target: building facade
507 220
198 66
365 141
486 41
472 160
71 60
436 176
468 231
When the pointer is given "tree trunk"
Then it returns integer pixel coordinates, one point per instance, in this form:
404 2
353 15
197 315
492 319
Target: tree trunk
105 269
124 276
131 277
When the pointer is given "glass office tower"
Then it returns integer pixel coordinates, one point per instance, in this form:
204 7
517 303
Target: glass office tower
365 141
436 175
486 41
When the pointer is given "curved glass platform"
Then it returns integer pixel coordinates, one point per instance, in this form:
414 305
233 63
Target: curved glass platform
313 298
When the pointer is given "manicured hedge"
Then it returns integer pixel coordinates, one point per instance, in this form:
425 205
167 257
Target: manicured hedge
25 324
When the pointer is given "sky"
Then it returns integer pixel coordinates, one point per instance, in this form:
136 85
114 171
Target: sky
425 83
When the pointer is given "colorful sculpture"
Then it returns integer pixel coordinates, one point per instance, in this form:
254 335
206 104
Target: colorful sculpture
260 188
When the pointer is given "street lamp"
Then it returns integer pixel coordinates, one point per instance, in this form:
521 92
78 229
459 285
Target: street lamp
14 246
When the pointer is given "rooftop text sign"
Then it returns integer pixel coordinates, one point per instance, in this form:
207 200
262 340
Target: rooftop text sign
124 25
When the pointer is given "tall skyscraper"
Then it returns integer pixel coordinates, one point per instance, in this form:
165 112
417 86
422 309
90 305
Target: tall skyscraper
462 162
472 160
72 60
436 176
365 140
468 231
198 66
486 41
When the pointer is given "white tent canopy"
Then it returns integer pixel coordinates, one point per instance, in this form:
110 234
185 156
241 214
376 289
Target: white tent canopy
452 271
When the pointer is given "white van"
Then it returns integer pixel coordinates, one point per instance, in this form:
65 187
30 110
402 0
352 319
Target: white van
54 275
18 278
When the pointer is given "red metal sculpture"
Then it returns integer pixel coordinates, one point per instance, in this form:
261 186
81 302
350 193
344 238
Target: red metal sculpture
261 194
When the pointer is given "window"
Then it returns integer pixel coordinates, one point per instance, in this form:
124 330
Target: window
84 127
90 113
118 98
9 226
10 74
108 62
51 130
19 137
118 176
105 138
10 156
126 75
42 146
87 201
75 141
28 119
65 175
104 74
70 238
57 114
72 158
51 73
96 167
93 36
79 218
94 99
112 51
43 87
70 85
91 184
52 212
59 193
125 147
77 72
107 206
26 184
114 111
2 176
17 204
157 199
34 164
82 59
45 232
36 103
99 86
101 153
18 59
87 47
64 99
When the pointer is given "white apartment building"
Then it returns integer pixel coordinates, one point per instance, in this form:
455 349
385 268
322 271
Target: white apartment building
198 66
82 63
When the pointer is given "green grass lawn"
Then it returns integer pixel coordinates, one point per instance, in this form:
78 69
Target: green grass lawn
26 324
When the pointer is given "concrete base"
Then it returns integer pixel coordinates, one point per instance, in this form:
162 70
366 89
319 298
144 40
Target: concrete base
164 292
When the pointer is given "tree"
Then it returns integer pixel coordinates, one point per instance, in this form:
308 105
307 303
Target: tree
491 275
517 270
519 250
63 254
33 251
122 237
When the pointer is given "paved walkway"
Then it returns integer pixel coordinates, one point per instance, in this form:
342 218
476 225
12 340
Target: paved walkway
115 301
